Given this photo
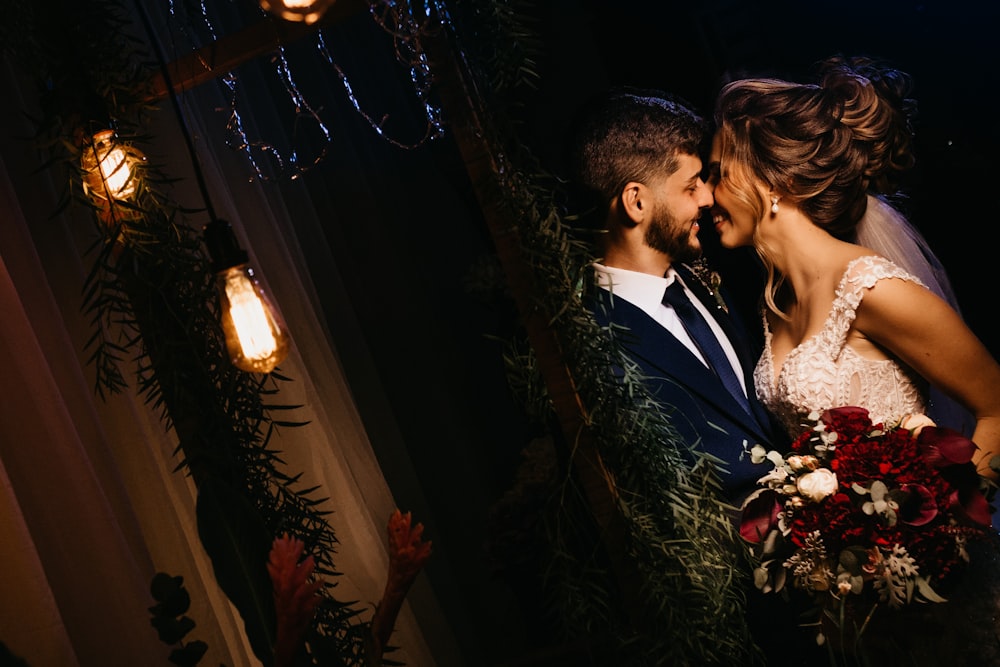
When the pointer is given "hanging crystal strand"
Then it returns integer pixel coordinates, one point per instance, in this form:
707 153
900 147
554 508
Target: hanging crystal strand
406 22
420 75
409 53
302 110
236 136
229 81
182 21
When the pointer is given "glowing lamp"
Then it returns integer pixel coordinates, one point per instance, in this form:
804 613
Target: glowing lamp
110 168
307 11
256 338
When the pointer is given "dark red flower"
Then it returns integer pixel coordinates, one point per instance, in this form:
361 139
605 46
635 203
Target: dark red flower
943 446
971 505
844 413
847 421
918 507
894 490
760 515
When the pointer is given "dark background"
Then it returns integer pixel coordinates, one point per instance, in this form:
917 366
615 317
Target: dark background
407 238
404 268
691 48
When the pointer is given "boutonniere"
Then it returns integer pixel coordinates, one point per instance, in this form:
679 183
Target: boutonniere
710 279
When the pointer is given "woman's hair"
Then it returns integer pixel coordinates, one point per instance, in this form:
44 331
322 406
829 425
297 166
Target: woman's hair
823 146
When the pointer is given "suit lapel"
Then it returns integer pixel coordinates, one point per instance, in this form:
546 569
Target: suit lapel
671 360
736 336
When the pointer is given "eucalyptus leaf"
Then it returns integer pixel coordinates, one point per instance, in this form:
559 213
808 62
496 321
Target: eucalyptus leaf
926 592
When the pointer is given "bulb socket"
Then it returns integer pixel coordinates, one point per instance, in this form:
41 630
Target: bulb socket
223 248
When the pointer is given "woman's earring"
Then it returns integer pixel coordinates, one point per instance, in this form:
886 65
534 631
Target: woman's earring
774 205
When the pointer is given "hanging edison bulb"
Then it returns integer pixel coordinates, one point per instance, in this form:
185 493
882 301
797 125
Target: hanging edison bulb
256 337
110 168
307 11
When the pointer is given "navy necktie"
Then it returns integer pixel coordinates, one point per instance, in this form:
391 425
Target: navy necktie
703 336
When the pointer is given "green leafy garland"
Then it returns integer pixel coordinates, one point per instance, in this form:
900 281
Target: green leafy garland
150 296
680 534
679 531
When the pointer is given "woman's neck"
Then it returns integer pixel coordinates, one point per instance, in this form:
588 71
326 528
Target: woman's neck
807 256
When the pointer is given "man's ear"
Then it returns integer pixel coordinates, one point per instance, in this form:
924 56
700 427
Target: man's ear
634 201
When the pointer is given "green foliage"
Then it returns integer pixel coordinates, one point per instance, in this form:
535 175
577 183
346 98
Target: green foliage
151 302
170 620
501 46
679 531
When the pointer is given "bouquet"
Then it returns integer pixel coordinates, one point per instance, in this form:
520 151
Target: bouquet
880 512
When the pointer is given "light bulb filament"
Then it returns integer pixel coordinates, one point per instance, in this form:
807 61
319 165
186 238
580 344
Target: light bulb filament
116 173
307 11
250 319
111 169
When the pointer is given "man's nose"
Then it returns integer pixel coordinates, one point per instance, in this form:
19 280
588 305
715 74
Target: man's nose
705 196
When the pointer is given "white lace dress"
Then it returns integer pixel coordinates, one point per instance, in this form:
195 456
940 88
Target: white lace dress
824 372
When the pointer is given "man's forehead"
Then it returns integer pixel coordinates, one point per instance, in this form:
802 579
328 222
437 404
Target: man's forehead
688 163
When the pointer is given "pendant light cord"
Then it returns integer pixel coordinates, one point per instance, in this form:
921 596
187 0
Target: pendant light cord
175 102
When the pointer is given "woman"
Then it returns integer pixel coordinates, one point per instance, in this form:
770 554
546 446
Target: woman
800 173
799 170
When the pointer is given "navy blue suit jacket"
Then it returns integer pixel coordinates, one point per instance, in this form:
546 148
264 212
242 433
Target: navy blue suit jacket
699 406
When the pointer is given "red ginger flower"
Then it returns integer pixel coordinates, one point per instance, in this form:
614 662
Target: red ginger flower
407 551
407 555
295 597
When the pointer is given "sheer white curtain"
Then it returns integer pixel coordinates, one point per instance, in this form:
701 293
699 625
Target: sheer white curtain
90 507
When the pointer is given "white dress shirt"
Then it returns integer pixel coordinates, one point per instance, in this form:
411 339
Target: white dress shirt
645 292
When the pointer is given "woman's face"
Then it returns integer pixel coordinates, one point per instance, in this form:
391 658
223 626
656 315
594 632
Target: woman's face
735 222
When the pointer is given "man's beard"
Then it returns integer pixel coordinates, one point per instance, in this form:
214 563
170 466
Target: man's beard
668 236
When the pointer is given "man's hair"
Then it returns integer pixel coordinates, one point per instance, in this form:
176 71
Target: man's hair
628 135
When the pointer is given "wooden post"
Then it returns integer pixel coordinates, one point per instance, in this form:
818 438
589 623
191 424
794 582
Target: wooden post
229 52
469 122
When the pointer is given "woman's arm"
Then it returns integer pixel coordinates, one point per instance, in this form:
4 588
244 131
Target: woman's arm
925 333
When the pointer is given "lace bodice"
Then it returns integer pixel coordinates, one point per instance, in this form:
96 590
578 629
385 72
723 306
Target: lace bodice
824 372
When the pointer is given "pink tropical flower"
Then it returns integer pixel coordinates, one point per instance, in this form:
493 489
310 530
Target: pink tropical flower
295 596
407 555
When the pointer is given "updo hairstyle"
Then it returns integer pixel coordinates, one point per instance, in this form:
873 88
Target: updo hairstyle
823 147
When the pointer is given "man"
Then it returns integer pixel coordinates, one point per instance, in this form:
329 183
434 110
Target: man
638 155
